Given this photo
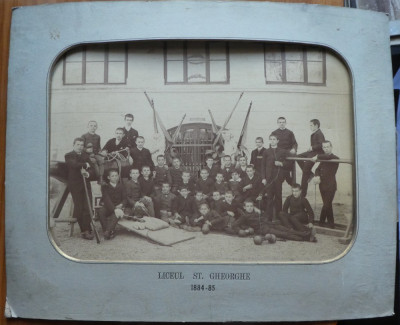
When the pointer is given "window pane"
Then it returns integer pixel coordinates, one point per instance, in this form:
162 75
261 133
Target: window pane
196 52
73 72
315 72
218 71
293 53
217 51
273 53
294 71
196 71
94 72
174 71
314 55
95 53
116 52
273 71
116 72
174 51
74 55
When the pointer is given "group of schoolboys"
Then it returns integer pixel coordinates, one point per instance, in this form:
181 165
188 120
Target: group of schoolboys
232 197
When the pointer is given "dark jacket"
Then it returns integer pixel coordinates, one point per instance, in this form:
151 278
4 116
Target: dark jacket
258 160
286 139
316 141
257 187
273 172
206 186
75 162
327 173
113 196
130 137
298 205
142 158
111 146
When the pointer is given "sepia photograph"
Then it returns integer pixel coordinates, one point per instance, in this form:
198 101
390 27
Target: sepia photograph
201 151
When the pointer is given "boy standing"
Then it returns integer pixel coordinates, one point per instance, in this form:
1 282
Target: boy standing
115 201
275 163
301 215
139 204
78 162
130 134
257 158
325 176
140 155
317 137
287 141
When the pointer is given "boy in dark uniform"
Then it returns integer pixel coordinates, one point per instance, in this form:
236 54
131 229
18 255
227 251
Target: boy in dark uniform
78 162
161 174
301 215
235 185
230 211
205 184
220 184
165 203
325 176
130 134
141 156
252 186
116 144
139 203
227 168
212 167
317 137
176 172
212 219
250 218
258 159
115 201
216 201
188 182
146 182
185 208
275 164
287 141
242 165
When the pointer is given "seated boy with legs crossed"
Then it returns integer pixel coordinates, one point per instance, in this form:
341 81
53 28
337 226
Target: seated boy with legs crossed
115 201
301 215
252 221
165 203
185 208
139 204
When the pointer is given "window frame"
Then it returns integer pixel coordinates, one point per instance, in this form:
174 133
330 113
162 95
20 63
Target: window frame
106 64
207 62
305 65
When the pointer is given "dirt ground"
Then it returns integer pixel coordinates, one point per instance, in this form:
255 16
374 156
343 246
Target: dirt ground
214 247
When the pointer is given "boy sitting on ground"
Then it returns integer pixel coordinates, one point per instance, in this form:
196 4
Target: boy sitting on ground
139 204
230 211
115 201
251 221
184 208
165 203
234 185
212 220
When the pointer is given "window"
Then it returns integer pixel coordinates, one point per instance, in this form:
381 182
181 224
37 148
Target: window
96 64
196 63
294 64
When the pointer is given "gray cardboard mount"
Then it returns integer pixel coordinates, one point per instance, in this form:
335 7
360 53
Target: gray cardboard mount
41 283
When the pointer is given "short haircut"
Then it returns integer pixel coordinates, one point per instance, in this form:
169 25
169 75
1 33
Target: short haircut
79 139
248 201
235 171
139 137
327 141
129 115
119 129
209 157
183 188
227 156
240 157
185 172
160 156
273 135
296 185
203 169
204 204
176 158
315 122
219 173
198 191
250 166
145 166
281 118
92 121
216 191
260 138
133 168
229 192
111 171
165 183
